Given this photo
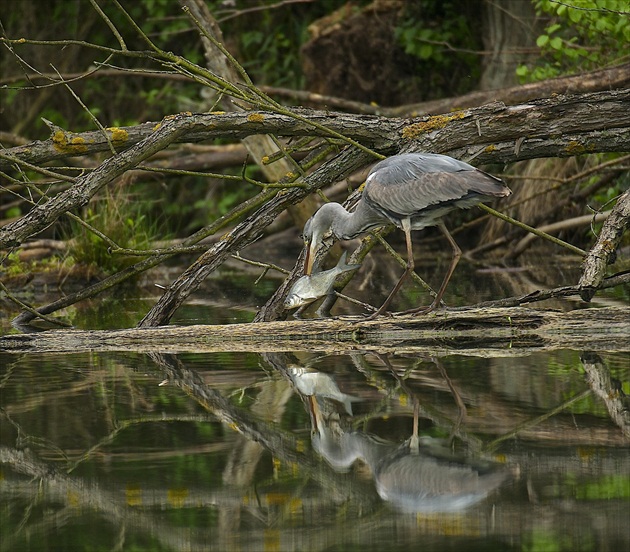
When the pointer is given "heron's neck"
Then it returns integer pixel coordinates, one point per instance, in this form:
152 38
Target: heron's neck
349 225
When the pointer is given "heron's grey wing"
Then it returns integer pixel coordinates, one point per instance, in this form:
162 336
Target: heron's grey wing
417 163
402 195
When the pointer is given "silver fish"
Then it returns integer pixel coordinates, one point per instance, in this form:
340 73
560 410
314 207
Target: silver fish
310 288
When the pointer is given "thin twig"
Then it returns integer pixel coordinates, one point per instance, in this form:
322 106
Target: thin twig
30 309
533 230
492 445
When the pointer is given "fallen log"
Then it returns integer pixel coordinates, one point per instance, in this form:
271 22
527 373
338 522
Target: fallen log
485 332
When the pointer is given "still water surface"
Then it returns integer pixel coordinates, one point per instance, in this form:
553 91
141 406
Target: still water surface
309 451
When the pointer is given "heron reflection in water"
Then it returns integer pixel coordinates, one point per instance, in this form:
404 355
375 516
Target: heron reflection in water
420 475
412 191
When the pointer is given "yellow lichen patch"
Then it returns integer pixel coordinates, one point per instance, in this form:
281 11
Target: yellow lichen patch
157 126
217 113
59 137
432 123
78 144
64 145
118 134
265 160
290 175
490 148
575 148
256 118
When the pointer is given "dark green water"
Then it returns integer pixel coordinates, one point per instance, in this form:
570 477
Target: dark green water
98 455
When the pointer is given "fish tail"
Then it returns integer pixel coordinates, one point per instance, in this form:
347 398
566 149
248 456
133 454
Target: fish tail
343 267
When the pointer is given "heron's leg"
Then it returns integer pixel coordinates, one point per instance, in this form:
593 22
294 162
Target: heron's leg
457 253
298 313
406 226
414 442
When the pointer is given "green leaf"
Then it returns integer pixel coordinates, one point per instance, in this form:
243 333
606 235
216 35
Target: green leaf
426 51
542 40
575 15
522 70
556 43
553 28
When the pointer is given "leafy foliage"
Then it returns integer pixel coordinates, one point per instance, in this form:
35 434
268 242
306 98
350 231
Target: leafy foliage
119 218
441 35
580 35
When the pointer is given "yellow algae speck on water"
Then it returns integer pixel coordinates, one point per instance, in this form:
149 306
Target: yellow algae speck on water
177 497
256 118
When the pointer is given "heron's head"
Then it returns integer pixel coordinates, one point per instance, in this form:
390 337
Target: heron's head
318 232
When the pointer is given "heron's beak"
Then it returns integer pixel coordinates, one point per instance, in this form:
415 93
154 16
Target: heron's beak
311 251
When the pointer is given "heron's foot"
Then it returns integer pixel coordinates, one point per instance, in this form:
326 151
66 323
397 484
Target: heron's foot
425 310
325 313
379 312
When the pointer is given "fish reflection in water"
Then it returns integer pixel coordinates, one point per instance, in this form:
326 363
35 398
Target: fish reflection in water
420 476
313 383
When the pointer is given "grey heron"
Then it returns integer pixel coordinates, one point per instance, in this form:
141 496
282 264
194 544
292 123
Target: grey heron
411 191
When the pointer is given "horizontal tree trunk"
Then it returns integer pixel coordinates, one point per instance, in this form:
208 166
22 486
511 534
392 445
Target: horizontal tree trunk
480 332
537 119
558 126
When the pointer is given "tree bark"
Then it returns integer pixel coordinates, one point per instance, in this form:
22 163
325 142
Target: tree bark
510 31
603 253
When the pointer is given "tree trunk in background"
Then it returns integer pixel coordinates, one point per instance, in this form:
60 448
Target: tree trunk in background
258 145
509 34
510 29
